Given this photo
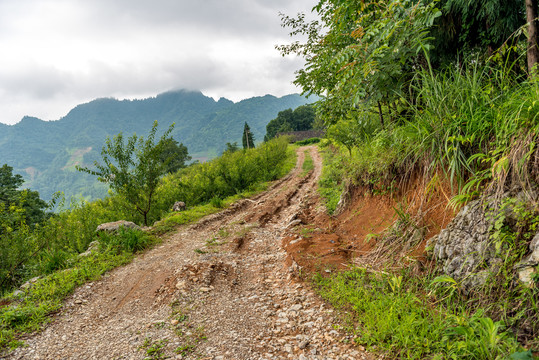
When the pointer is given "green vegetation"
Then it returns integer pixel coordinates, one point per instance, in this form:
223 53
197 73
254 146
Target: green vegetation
51 251
308 164
248 139
45 153
27 311
393 313
308 141
174 155
154 349
300 119
442 92
133 170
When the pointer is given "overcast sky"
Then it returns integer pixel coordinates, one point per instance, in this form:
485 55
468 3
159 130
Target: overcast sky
56 54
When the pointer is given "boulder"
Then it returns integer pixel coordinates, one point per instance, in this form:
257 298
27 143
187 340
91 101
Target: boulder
178 206
466 251
116 225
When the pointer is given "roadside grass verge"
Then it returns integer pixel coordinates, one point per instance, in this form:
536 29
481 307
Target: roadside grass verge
308 164
404 317
330 184
27 311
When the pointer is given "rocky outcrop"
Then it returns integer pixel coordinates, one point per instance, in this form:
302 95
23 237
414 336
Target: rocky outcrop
116 225
527 268
467 250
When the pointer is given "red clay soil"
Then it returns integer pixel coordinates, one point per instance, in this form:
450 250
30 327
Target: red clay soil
332 242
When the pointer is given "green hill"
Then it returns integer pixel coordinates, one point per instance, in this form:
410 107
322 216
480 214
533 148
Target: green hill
46 152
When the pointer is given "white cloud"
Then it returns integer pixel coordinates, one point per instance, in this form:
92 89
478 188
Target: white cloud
58 53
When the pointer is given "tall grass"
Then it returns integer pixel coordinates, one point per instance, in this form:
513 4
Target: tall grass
474 123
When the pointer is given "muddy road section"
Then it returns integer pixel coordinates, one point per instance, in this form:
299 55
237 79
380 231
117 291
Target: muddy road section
223 288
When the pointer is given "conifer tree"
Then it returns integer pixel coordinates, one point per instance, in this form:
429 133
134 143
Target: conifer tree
248 139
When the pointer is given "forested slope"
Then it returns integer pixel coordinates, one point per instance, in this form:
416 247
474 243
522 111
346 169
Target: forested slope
46 153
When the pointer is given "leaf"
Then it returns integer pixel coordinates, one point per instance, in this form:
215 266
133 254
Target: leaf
526 355
444 279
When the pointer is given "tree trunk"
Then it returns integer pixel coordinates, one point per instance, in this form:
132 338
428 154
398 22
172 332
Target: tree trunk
381 114
533 35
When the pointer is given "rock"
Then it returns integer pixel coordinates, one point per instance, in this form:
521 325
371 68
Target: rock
296 307
115 226
178 206
526 275
303 344
465 249
181 285
29 283
204 289
92 248
293 223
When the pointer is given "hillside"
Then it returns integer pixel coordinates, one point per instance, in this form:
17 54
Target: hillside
46 153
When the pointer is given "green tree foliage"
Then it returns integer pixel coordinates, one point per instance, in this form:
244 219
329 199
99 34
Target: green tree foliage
21 211
27 202
248 138
133 169
300 119
481 26
173 155
231 147
361 52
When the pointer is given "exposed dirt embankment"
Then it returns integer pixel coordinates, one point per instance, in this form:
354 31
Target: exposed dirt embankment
354 235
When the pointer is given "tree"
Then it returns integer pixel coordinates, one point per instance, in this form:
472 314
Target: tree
174 155
9 184
474 27
248 139
231 147
27 203
133 169
362 53
533 35
302 118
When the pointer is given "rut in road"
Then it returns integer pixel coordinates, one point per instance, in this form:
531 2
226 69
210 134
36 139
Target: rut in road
218 289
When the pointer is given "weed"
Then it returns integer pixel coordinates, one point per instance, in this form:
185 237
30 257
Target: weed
154 349
185 350
306 232
223 233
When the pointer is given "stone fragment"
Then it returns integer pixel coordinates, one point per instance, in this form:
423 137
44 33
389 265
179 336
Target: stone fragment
92 248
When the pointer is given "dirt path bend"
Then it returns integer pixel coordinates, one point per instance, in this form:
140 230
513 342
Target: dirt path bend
219 289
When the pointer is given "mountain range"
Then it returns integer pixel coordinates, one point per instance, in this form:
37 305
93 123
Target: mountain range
45 153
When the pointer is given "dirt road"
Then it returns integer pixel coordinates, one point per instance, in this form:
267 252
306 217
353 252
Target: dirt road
219 289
